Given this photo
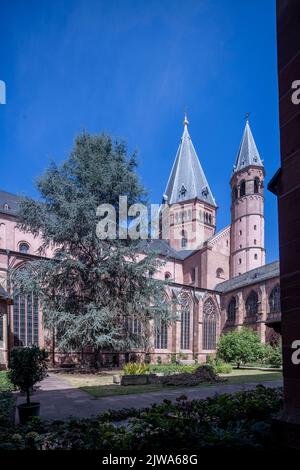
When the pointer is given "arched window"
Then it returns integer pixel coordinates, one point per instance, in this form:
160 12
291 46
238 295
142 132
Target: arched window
167 276
23 248
185 322
6 207
274 300
242 189
220 273
209 338
231 310
252 304
183 239
161 335
256 185
26 319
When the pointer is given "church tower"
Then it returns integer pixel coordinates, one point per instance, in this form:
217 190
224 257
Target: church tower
191 203
247 249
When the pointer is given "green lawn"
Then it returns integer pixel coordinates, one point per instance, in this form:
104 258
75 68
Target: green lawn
103 386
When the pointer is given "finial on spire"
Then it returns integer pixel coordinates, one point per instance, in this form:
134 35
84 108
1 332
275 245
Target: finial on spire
247 116
185 121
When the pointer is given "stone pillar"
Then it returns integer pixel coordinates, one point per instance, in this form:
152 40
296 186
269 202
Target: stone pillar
286 184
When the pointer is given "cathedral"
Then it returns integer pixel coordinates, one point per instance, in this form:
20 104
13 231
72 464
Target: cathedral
218 281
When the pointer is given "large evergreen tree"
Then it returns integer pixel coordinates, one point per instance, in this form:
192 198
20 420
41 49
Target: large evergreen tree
94 293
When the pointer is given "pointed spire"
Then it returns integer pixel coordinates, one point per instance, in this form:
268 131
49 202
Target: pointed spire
187 179
248 153
185 121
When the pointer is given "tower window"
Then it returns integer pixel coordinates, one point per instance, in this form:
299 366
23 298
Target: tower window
242 189
256 185
255 227
241 232
193 274
182 191
240 261
183 239
167 276
220 273
255 256
240 246
254 241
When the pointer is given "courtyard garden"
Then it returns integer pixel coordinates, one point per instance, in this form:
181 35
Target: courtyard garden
102 385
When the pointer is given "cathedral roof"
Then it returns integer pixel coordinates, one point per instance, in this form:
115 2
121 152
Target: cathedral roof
162 248
248 153
9 202
255 276
187 179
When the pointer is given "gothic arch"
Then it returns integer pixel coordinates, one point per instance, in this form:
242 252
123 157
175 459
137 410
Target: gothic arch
209 324
232 309
251 304
274 299
185 302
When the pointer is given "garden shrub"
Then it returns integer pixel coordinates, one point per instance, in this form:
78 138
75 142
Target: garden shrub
167 369
7 408
204 373
27 367
5 383
272 355
240 421
135 368
183 356
173 359
240 347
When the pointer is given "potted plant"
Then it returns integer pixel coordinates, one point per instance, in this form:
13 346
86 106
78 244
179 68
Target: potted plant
27 366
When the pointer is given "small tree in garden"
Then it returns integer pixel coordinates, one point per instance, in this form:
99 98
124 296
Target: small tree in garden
27 367
240 347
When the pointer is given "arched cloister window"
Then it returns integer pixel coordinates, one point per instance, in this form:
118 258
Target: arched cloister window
242 188
161 335
274 300
183 239
252 304
185 322
256 185
231 310
209 334
26 319
23 247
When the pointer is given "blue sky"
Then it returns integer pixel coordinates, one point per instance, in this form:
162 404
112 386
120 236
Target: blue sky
131 68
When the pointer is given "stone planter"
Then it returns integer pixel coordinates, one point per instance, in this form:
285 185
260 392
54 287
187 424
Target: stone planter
186 362
134 379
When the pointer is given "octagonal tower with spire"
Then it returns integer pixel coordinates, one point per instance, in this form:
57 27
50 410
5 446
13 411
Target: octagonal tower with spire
247 246
192 205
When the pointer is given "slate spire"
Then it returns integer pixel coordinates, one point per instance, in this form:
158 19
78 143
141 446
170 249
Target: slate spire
187 179
248 153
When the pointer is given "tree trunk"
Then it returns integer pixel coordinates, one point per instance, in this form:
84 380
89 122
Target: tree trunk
28 396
